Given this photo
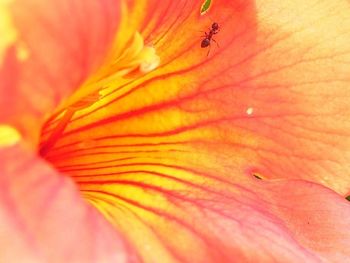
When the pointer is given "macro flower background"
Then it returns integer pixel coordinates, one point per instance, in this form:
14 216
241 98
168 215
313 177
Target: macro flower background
121 140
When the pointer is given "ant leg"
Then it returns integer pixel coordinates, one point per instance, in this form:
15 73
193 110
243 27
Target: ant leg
208 50
215 42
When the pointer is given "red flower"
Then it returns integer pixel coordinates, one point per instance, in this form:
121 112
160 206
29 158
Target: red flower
145 147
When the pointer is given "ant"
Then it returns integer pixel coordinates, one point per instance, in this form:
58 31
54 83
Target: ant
209 36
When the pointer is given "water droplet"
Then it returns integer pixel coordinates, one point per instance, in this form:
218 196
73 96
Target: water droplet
250 111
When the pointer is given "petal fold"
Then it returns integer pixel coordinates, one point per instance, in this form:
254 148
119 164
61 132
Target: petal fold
58 45
44 219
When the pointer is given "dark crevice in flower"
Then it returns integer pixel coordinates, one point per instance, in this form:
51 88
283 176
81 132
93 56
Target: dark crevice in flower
57 132
65 120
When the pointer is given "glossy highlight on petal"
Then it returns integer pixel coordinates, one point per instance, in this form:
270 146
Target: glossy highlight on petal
8 136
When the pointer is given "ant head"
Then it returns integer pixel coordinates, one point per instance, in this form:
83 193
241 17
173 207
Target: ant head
215 26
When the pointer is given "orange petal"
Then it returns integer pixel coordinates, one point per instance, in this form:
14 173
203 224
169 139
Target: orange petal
172 152
254 102
44 219
56 47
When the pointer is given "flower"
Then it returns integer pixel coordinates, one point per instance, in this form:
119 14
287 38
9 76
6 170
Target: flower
132 143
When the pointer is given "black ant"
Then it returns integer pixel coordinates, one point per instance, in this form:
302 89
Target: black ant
209 36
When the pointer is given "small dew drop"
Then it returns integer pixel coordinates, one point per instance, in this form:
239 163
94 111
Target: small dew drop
249 111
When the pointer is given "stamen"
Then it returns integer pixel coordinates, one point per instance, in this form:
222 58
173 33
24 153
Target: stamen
149 60
136 59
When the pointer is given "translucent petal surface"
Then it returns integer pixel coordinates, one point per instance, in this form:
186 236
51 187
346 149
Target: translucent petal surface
58 44
44 219
169 156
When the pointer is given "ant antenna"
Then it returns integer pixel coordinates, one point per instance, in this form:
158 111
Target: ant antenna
210 18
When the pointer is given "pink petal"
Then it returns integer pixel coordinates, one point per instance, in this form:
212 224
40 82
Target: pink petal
318 218
44 219
169 157
59 44
173 214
